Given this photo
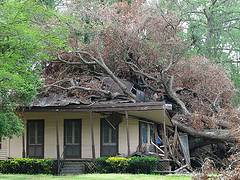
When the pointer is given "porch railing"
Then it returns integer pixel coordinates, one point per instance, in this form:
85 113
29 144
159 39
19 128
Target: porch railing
61 160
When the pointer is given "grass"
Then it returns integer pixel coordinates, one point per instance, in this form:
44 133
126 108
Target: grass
97 177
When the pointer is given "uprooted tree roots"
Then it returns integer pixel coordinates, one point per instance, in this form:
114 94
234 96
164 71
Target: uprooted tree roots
225 166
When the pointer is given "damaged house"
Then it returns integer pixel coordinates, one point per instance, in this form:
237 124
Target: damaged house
60 125
109 93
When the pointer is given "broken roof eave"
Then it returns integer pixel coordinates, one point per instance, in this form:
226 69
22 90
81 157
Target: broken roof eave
152 111
155 116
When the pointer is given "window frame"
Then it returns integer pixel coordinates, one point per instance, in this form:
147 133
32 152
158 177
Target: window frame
110 133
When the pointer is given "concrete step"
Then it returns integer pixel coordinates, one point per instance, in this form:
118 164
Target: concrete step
73 168
74 164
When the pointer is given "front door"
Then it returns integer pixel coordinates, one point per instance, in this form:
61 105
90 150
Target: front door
109 139
35 138
72 138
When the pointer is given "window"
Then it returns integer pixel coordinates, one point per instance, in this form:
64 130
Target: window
72 138
152 134
35 132
144 132
109 134
72 132
35 138
147 132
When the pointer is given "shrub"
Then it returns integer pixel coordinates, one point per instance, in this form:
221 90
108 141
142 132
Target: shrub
145 165
117 164
26 166
101 165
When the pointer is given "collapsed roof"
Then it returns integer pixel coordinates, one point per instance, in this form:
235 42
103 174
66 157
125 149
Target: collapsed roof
63 98
63 102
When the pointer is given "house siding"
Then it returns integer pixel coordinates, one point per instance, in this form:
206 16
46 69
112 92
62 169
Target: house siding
3 150
133 136
15 148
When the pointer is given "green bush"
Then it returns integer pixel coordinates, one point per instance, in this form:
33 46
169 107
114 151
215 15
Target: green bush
117 164
26 166
145 165
101 165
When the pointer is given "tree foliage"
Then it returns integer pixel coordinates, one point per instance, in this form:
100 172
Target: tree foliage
213 26
144 45
25 35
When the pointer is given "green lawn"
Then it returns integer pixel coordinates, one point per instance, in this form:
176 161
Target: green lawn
97 177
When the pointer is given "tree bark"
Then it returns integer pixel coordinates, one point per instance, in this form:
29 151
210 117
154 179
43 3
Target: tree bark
221 135
168 84
200 142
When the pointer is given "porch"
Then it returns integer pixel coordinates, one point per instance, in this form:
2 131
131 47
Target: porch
46 129
94 131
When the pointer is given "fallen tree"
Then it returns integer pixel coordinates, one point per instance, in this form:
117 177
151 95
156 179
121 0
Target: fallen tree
142 45
221 135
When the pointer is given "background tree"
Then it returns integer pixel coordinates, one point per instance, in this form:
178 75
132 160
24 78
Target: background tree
213 26
50 3
26 33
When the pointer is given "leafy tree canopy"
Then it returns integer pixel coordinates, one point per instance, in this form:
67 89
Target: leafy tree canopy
26 33
213 26
50 3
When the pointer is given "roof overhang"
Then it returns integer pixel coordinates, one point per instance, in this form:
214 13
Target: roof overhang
155 116
151 111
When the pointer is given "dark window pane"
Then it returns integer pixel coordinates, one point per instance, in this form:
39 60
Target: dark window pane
77 132
39 140
69 140
32 132
114 136
32 140
105 132
69 132
144 132
31 125
77 125
69 129
40 127
40 131
152 137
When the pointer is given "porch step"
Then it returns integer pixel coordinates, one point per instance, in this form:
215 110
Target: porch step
73 168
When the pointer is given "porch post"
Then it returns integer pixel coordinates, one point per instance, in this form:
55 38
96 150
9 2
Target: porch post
57 134
164 133
23 146
128 141
23 139
155 135
92 134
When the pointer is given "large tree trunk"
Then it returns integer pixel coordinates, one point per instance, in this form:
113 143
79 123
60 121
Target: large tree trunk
168 85
220 135
195 143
